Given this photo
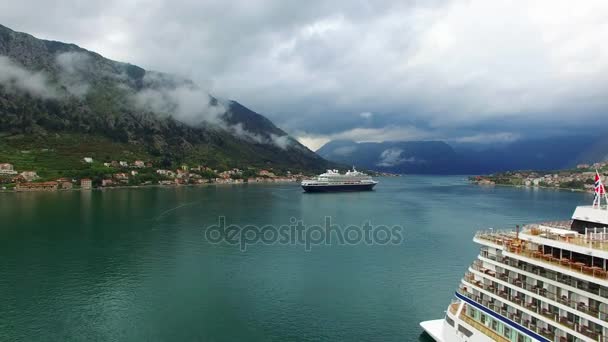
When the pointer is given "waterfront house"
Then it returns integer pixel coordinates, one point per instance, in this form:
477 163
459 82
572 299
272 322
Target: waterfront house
134 173
7 169
18 179
86 184
123 164
107 164
88 160
167 173
44 186
29 176
225 174
121 177
64 183
139 164
107 182
266 173
181 173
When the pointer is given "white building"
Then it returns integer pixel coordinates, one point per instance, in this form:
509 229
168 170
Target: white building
7 169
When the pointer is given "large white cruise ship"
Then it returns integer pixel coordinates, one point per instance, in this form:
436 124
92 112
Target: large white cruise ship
543 282
332 180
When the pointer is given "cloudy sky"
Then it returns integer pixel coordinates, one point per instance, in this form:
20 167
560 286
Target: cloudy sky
468 71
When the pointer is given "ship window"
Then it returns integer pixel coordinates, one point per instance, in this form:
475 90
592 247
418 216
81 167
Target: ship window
449 320
507 332
494 325
464 331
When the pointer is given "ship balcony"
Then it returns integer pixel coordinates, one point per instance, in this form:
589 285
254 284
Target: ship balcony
483 328
520 300
554 231
563 259
592 310
542 272
517 316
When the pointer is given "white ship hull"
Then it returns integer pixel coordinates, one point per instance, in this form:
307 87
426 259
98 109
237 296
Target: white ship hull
440 331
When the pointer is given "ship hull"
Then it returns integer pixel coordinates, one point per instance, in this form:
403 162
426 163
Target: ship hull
339 188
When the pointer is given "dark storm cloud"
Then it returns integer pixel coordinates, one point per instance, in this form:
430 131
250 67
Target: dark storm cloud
366 70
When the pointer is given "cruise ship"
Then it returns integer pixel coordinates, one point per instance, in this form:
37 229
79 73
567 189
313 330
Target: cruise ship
332 180
543 282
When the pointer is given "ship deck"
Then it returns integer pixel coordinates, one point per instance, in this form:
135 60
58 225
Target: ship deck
564 255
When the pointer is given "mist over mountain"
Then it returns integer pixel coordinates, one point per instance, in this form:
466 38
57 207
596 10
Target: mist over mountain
437 157
50 88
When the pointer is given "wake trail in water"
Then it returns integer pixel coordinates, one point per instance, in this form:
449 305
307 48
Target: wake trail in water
157 218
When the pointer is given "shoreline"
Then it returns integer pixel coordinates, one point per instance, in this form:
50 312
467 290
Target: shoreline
532 187
143 186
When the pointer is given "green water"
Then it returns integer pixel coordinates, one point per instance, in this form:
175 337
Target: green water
134 265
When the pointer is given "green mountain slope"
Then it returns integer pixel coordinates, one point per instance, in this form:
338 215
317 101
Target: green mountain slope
59 97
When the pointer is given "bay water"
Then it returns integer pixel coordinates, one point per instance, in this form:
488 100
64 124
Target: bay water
136 265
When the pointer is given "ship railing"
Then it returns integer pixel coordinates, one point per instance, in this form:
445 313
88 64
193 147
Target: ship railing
502 310
484 329
594 238
454 306
519 247
517 316
556 276
541 291
581 268
563 224
520 300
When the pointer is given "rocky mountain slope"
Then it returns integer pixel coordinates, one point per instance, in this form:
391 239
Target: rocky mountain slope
49 89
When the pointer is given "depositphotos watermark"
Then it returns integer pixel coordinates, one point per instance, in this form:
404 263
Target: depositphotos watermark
297 233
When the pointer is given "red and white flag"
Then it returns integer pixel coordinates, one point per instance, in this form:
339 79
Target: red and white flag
599 187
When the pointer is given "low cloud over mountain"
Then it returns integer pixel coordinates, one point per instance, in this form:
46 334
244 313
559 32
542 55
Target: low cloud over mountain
392 70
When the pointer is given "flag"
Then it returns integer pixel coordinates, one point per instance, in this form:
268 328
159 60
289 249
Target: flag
599 187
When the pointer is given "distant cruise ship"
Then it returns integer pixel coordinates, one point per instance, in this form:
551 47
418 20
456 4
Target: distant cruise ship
547 282
332 180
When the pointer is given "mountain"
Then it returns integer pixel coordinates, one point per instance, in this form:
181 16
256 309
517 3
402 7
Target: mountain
433 157
436 157
61 98
550 153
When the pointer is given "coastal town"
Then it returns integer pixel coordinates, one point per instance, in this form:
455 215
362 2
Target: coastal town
581 178
136 173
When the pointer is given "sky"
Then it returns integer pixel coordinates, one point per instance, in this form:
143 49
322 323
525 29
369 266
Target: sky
473 71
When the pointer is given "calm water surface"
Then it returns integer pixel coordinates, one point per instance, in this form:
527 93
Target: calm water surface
133 264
